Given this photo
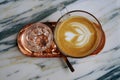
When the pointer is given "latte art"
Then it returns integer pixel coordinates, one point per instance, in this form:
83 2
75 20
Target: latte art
82 34
76 36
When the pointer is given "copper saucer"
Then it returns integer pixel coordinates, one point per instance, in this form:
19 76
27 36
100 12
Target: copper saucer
50 52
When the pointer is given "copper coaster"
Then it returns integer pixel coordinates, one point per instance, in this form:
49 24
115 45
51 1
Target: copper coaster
50 52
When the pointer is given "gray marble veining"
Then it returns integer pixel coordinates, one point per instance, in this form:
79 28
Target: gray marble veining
14 14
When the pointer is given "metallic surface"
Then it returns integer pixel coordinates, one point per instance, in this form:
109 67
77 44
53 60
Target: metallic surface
30 49
52 51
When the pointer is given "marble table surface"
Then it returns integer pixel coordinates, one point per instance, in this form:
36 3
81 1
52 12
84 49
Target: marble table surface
14 14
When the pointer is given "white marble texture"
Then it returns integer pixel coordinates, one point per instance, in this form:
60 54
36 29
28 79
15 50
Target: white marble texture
14 14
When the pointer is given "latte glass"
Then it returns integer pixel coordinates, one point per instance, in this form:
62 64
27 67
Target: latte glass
78 34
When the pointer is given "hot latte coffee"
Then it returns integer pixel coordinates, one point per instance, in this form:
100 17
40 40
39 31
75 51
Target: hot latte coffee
77 36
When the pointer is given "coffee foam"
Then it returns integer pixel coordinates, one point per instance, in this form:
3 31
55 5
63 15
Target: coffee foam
69 36
76 36
82 33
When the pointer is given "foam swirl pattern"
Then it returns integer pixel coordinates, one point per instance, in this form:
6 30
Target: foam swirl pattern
82 34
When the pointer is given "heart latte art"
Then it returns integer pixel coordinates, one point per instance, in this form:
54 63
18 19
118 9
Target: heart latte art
80 36
76 36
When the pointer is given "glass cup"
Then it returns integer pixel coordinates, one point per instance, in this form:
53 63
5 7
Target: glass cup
35 39
78 34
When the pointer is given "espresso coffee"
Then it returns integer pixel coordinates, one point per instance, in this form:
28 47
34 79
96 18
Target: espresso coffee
76 36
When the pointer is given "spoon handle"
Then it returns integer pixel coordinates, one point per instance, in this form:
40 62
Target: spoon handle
68 64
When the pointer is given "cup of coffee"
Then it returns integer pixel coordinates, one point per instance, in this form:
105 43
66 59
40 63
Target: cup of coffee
78 34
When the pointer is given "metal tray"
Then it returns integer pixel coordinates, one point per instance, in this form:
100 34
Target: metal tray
52 51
